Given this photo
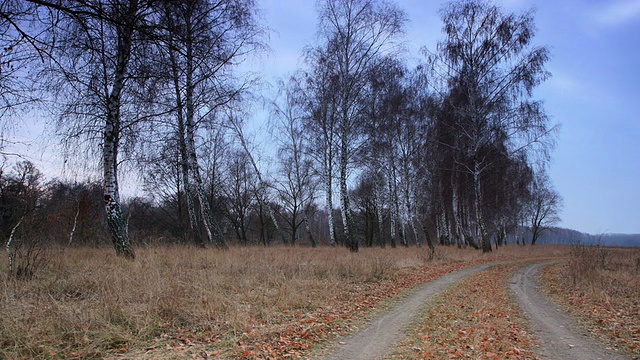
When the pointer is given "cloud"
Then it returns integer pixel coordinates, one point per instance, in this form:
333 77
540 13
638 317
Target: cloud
618 13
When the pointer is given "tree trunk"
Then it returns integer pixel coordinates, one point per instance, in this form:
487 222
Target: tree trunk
329 205
111 139
115 219
75 222
432 249
189 189
347 221
393 214
486 241
208 219
190 193
381 238
410 214
10 255
308 228
459 233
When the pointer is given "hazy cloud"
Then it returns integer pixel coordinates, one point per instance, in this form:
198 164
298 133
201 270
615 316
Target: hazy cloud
617 13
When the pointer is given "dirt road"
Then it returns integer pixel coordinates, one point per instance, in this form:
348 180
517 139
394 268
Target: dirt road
559 336
378 339
556 332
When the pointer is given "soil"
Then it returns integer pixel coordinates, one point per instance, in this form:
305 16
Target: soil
377 340
557 333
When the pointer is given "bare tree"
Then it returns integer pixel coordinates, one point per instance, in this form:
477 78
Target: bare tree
488 70
296 184
20 194
163 184
239 194
202 42
98 63
355 34
320 98
18 48
262 187
544 206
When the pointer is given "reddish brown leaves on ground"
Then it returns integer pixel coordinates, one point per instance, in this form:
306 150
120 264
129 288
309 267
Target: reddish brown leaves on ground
607 302
300 332
474 319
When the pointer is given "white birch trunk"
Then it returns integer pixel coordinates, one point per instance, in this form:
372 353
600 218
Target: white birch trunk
115 219
396 208
410 213
111 139
414 229
486 241
329 208
307 225
189 189
458 230
208 220
212 228
378 199
75 222
8 246
393 214
190 193
345 205
262 188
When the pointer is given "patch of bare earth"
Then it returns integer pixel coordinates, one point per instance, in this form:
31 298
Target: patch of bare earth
601 288
476 318
557 334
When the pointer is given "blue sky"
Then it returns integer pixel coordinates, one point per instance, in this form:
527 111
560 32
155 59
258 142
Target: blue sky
594 94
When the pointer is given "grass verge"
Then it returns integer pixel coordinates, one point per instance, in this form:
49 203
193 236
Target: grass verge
178 302
601 287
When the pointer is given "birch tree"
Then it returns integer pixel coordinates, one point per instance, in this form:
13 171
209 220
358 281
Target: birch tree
296 184
544 206
262 193
489 68
355 34
237 189
98 67
203 42
320 99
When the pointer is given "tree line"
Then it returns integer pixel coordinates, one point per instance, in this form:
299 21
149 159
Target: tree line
370 150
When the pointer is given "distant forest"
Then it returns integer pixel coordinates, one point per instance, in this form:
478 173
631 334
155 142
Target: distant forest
558 235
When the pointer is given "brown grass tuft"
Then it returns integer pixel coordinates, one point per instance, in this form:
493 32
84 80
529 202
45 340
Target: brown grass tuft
178 301
601 286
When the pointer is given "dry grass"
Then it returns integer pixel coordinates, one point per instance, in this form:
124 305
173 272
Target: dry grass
177 301
476 318
602 287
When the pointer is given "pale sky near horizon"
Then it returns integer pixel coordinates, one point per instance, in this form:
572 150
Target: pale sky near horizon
594 94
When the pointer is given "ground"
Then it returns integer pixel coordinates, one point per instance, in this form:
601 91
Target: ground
289 302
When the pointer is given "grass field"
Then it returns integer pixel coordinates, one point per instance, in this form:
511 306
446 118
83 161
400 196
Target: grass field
176 302
601 286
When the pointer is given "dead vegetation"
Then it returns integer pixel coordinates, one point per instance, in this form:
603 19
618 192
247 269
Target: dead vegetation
178 301
474 319
601 286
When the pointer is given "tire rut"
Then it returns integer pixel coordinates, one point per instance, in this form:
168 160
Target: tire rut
379 337
558 334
